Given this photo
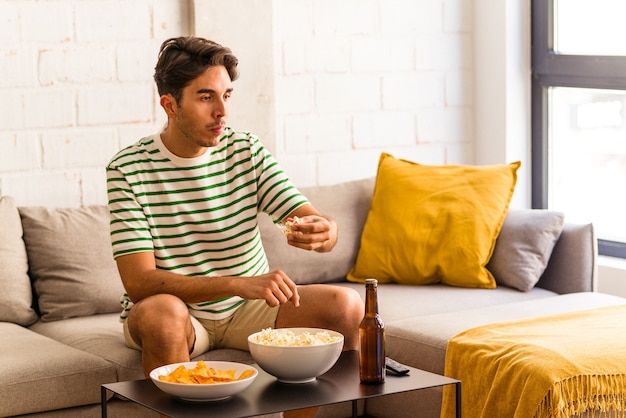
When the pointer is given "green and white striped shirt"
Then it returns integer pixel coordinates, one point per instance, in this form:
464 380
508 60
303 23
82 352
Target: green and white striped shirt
198 215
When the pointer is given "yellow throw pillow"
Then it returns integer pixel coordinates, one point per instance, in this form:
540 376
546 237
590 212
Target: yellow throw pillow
434 224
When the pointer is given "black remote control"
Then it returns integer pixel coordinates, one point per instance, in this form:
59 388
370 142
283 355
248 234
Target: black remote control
395 367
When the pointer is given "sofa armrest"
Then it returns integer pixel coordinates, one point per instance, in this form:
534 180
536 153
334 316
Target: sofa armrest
573 263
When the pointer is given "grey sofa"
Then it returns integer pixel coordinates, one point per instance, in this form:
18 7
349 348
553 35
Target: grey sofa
59 305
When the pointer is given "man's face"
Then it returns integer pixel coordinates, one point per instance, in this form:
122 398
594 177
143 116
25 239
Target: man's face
201 115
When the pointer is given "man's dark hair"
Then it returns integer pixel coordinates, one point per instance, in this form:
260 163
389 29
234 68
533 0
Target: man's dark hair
183 59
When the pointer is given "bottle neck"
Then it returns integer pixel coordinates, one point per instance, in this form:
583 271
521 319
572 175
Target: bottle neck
371 300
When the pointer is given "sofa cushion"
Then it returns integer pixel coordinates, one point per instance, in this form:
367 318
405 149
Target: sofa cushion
348 204
71 262
16 296
434 224
399 301
524 246
102 336
40 374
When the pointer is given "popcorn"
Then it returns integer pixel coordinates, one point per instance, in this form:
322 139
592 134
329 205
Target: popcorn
287 338
286 227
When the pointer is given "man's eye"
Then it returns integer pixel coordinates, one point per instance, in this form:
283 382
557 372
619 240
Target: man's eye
206 98
227 96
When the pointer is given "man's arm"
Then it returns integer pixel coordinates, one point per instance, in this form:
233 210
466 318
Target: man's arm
316 232
142 279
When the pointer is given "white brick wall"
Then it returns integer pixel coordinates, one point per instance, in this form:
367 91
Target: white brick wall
76 83
327 92
387 75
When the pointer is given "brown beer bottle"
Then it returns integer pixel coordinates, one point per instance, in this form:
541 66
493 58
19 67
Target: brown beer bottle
371 338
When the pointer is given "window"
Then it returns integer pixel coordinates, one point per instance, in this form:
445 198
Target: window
579 114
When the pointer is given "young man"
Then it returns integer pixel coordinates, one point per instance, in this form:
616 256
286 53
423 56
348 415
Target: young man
183 209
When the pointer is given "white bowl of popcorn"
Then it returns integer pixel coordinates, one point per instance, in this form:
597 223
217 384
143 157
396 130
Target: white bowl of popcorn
296 355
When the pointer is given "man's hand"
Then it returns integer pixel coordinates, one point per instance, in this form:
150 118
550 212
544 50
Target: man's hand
275 287
313 231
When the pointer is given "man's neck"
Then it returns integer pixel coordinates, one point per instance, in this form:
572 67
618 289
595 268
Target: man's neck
175 142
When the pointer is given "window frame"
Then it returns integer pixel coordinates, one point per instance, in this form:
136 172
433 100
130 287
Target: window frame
550 69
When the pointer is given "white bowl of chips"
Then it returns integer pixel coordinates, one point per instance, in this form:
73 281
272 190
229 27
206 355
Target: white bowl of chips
296 355
203 381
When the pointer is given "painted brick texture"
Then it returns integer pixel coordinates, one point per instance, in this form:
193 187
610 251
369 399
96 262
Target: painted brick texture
392 75
75 77
372 76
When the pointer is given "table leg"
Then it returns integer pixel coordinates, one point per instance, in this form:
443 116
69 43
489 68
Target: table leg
355 409
458 399
103 401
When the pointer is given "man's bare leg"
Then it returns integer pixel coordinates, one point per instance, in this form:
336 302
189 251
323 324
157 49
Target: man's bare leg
161 326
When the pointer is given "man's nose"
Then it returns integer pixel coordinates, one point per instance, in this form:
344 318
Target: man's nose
221 109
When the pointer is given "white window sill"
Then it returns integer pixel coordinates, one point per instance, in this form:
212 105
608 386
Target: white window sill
612 275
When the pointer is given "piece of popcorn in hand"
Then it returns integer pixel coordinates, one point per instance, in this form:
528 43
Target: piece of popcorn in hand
286 227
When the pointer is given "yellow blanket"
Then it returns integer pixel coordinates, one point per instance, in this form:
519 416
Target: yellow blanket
554 366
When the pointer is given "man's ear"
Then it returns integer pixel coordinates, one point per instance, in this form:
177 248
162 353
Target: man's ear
168 103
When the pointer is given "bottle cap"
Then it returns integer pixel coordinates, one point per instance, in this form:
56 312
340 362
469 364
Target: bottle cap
371 281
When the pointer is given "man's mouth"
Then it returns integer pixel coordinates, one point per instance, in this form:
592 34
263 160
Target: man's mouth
217 129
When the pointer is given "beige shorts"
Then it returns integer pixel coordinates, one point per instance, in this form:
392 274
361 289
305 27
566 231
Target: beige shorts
231 332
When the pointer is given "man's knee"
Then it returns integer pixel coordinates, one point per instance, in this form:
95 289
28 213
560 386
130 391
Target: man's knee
162 306
348 306
160 315
350 300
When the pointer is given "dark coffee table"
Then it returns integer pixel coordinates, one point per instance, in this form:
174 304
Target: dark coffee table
267 396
